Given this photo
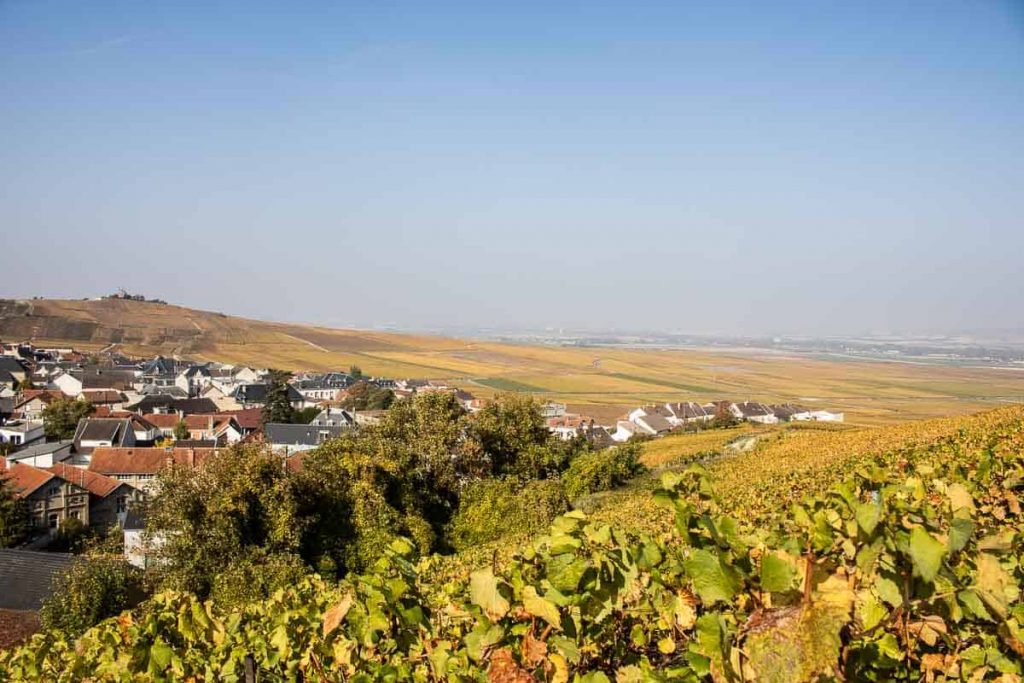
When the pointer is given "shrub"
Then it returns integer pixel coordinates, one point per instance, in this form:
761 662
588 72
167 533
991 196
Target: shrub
491 507
601 470
255 576
93 588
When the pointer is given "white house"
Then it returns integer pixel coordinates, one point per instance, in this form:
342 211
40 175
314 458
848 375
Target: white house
21 432
68 384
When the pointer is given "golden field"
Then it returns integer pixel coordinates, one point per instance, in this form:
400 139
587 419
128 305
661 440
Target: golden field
598 380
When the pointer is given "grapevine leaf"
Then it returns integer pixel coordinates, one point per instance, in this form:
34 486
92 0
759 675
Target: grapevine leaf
713 580
777 574
994 585
960 530
926 553
868 515
483 591
540 607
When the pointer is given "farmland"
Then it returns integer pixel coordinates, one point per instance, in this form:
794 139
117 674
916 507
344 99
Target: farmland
601 381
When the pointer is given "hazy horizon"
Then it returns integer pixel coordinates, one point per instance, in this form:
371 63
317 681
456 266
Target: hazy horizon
726 168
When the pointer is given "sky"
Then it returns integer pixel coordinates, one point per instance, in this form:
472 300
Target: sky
703 167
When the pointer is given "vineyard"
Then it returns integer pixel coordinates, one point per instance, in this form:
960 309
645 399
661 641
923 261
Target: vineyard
862 555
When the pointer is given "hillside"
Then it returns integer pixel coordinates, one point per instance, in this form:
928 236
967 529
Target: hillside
599 381
901 563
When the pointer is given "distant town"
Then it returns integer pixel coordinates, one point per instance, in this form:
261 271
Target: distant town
83 436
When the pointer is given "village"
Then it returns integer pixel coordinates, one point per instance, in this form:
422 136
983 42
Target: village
139 416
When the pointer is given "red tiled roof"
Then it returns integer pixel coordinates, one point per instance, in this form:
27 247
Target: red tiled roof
103 396
95 483
250 418
108 460
25 479
44 395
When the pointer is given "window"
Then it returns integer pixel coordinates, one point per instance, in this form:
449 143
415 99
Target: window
52 519
122 504
74 514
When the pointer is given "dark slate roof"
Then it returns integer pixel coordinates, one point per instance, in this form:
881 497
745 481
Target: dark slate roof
103 377
35 449
257 393
656 422
149 404
753 409
299 435
26 577
11 364
115 430
159 366
6 377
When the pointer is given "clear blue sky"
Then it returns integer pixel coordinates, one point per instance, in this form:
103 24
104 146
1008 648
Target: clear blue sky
817 167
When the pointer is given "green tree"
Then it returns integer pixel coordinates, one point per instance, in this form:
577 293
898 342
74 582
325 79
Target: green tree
240 500
61 417
305 415
14 516
513 434
355 372
278 407
366 396
181 431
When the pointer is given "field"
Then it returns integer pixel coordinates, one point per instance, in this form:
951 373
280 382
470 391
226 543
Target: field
600 381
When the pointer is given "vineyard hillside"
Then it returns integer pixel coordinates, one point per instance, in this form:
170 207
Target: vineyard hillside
868 555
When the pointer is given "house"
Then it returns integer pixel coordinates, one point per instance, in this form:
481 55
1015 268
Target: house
42 454
327 387
653 424
787 412
106 377
21 432
139 466
686 412
12 370
248 421
255 395
67 383
162 403
334 417
27 577
756 412
624 431
32 402
568 426
98 432
141 549
552 409
820 416
291 438
366 418
50 499
109 499
108 398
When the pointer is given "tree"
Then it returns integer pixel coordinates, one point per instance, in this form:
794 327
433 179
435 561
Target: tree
490 508
512 432
97 585
724 417
366 396
355 372
14 516
61 417
26 384
181 431
602 470
240 500
278 407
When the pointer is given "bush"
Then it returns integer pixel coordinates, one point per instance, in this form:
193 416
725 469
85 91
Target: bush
490 508
92 589
601 470
255 576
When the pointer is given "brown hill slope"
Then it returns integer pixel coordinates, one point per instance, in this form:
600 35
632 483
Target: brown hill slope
600 381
